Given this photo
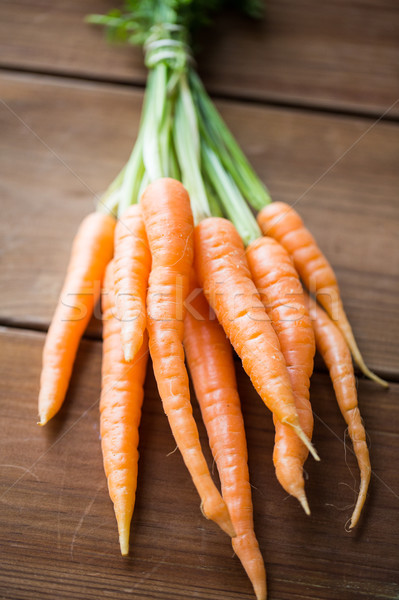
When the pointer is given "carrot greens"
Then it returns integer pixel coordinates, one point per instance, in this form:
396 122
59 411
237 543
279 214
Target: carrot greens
182 134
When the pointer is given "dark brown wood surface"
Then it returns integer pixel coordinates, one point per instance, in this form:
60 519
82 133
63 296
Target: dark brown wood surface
340 55
62 141
58 535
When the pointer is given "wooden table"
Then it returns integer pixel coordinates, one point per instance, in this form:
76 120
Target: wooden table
312 95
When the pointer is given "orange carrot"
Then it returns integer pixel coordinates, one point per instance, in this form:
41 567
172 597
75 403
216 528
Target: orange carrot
91 252
282 295
223 272
120 407
132 268
169 225
282 222
211 365
332 346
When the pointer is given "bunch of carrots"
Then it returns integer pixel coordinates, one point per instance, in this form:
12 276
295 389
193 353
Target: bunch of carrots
188 274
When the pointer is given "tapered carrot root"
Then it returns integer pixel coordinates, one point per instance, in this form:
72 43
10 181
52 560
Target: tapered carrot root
169 224
282 222
120 407
223 272
132 265
332 346
211 365
91 252
282 295
337 313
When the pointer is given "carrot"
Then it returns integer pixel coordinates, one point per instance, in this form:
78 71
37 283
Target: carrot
169 225
120 408
132 268
282 222
91 252
223 272
211 365
332 346
282 295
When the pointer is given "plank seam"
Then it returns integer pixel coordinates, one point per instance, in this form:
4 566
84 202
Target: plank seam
139 84
390 376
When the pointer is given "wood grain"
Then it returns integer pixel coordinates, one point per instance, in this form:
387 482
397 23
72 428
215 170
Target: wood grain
58 535
340 55
63 142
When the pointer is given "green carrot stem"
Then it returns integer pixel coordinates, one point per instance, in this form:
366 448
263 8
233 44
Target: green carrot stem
154 162
181 134
213 200
186 142
144 182
232 201
128 193
229 151
108 203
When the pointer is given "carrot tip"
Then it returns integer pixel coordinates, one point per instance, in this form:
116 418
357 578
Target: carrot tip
260 591
357 512
43 421
123 518
375 378
304 438
346 331
124 540
261 595
360 501
124 544
224 520
228 528
130 349
304 503
354 519
127 351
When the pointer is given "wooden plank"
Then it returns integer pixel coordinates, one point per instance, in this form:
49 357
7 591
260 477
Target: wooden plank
335 54
58 534
50 181
64 142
